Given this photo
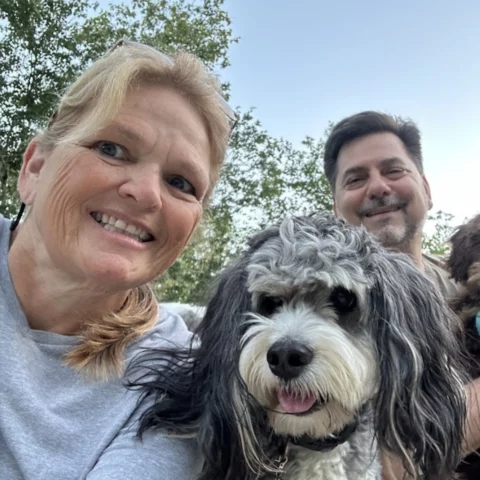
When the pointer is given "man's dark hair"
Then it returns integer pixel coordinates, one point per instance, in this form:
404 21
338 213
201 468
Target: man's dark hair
368 123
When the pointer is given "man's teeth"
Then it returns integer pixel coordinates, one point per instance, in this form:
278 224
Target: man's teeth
372 214
113 224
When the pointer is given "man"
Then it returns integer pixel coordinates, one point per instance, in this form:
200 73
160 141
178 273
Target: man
374 164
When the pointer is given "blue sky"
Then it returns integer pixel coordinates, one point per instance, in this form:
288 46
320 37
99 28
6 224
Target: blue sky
305 63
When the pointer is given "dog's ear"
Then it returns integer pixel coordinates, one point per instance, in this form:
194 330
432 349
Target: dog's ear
226 427
420 408
198 391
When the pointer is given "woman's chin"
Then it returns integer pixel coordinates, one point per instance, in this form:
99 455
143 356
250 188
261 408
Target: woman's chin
114 273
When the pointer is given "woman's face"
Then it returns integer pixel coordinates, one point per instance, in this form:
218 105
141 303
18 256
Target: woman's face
118 208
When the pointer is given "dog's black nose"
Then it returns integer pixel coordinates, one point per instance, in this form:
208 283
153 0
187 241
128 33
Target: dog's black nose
287 359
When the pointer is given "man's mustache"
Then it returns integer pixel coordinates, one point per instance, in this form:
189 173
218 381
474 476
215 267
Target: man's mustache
373 204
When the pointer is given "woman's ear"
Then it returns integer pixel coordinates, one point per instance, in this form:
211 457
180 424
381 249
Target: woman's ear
33 161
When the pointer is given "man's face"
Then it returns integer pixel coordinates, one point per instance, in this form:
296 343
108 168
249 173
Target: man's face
379 186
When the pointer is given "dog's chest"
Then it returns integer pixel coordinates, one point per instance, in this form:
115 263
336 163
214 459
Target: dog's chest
342 463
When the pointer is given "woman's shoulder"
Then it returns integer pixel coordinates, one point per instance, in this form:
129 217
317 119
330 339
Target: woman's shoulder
4 227
170 331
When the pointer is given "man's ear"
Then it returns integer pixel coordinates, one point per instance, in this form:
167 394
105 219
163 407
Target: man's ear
33 162
428 192
335 212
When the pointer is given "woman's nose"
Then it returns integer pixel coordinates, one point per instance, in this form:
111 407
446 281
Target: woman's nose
145 188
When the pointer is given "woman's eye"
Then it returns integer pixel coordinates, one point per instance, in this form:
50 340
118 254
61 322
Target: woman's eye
182 184
111 149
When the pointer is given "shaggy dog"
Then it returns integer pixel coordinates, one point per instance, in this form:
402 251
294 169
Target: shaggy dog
318 348
464 266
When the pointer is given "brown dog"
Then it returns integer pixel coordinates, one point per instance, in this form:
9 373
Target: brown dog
464 266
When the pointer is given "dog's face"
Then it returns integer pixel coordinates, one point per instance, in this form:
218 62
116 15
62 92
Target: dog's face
312 321
308 356
464 259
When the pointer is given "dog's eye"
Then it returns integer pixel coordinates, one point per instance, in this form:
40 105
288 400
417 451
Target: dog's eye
268 305
343 300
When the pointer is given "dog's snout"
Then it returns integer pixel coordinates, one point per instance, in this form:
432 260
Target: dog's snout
287 359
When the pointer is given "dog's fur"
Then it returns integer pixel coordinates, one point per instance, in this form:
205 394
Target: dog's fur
381 353
464 266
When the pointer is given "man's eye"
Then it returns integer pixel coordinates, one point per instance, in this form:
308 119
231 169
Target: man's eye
354 182
110 149
396 172
182 184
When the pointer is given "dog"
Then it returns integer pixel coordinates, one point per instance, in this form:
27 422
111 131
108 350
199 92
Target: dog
318 349
464 265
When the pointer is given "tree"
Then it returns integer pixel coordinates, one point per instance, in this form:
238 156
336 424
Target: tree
263 180
437 242
44 44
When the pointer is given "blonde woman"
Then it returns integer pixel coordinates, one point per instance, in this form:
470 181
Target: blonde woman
115 187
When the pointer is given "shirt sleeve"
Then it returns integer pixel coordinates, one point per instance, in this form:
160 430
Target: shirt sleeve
154 457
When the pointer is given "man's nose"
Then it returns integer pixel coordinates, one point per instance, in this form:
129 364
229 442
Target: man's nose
378 186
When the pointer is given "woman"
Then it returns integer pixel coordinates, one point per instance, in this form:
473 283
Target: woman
115 187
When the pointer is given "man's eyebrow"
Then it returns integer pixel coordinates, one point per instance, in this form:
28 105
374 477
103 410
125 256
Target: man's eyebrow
354 170
387 162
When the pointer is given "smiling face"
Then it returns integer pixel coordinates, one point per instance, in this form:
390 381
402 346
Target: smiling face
118 208
379 186
307 353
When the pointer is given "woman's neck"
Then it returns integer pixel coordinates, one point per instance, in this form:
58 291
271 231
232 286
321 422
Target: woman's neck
51 299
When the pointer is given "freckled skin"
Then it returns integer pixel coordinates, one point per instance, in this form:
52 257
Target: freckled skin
62 242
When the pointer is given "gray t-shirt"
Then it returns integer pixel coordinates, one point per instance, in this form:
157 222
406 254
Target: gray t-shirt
436 270
55 425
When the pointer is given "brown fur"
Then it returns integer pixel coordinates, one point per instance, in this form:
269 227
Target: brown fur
464 267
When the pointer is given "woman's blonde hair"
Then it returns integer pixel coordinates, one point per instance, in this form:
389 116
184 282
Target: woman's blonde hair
88 105
98 94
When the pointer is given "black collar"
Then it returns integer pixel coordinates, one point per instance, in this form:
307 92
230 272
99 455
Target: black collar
324 444
316 444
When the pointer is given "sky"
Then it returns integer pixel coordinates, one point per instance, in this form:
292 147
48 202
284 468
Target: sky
305 63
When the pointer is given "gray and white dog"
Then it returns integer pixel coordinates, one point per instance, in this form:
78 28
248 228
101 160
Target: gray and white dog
318 348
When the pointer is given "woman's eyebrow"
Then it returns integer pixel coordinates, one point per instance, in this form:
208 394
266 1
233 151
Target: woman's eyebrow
132 134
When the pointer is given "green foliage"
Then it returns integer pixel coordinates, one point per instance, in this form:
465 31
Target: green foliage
262 180
44 44
37 60
437 242
189 278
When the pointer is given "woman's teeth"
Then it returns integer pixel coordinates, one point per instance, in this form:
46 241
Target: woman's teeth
113 224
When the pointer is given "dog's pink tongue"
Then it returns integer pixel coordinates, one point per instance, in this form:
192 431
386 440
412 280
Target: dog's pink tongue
295 404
